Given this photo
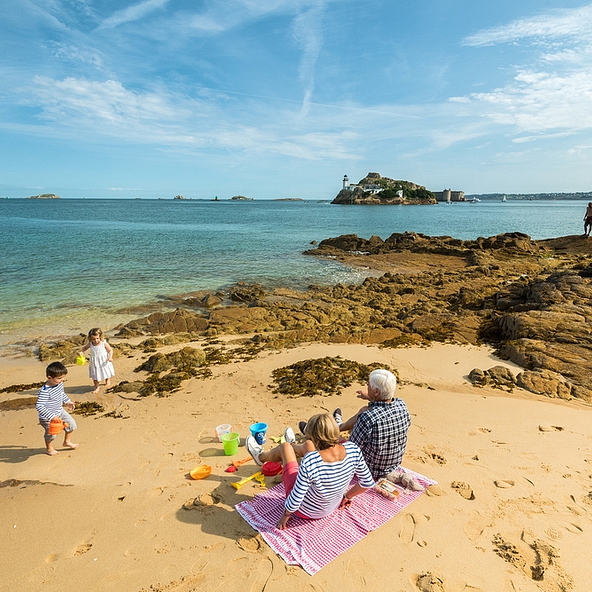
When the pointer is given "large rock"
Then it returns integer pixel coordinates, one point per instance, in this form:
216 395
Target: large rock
545 382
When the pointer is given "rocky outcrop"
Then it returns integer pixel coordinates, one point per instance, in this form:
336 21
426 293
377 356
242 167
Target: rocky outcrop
376 190
44 196
531 299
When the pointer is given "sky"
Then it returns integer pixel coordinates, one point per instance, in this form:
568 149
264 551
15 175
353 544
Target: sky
282 98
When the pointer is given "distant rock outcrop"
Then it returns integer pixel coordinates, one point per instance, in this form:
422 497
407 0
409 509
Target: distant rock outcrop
44 196
241 198
376 190
179 197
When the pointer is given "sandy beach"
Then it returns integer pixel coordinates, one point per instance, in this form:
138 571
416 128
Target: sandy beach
512 509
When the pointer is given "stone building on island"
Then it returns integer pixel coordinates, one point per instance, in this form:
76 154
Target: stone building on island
448 195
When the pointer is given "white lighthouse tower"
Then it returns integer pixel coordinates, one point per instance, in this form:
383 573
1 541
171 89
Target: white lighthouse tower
345 182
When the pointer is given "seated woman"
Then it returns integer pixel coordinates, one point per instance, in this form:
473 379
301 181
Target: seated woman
320 485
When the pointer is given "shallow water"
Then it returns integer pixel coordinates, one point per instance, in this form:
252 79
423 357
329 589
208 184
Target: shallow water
69 261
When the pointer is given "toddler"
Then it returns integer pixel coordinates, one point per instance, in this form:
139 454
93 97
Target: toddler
50 401
100 366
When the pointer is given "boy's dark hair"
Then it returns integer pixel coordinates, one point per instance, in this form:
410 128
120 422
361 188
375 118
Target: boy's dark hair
56 369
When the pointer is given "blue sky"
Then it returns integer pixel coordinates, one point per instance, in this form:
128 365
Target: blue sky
281 98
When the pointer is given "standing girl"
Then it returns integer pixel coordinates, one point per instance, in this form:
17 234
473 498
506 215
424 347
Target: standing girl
101 357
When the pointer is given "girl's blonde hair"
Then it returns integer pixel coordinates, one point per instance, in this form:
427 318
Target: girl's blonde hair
323 430
95 331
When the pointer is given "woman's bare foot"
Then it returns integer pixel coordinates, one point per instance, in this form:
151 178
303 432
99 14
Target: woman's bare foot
70 445
51 451
107 383
96 391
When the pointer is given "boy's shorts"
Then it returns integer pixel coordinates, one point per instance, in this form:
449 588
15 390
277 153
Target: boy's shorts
65 417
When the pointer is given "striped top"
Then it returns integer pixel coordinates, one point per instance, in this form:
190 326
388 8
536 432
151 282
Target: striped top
50 401
320 486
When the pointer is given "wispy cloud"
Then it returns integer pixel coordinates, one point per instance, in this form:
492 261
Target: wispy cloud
132 13
75 107
307 29
555 24
554 91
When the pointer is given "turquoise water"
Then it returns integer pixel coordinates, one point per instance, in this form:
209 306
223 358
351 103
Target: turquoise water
101 255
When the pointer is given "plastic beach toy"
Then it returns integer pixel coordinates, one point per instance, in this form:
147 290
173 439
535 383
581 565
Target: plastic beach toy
200 472
269 469
258 431
56 425
222 429
230 442
81 360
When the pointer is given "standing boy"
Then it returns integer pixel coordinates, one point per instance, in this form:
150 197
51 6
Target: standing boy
50 401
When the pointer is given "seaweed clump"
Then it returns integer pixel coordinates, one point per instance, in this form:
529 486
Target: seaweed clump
87 408
328 376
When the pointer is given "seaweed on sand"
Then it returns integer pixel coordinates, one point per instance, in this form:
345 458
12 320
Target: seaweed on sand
328 376
87 408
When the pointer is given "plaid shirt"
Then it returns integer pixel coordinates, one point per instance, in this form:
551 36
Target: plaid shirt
381 434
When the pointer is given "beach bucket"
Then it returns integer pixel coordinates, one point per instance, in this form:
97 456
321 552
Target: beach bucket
81 360
222 429
56 425
230 442
258 431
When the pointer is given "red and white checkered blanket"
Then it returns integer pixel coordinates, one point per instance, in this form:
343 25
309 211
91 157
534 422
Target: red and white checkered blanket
314 543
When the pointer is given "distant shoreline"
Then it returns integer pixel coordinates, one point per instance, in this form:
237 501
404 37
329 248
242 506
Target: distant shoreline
587 196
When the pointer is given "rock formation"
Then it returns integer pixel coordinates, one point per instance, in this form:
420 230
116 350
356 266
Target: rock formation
376 190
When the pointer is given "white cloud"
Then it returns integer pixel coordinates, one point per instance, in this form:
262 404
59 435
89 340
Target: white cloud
555 24
540 101
554 92
133 13
78 108
308 33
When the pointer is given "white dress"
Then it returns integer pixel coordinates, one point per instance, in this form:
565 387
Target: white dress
99 367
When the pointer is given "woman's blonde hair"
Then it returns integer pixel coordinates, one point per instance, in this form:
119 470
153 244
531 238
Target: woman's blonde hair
323 430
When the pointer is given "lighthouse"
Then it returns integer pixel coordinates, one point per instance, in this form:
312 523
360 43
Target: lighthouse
345 182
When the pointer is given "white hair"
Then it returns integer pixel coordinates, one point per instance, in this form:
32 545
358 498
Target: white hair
385 382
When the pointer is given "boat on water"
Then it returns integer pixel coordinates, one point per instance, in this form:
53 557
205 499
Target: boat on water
504 198
474 200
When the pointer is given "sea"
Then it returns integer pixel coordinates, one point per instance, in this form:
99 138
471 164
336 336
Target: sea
71 264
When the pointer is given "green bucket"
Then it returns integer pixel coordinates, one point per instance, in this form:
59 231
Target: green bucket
230 442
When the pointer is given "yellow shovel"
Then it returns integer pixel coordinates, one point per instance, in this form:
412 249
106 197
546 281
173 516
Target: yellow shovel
258 476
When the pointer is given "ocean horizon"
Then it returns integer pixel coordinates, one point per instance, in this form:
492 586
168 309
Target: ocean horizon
68 261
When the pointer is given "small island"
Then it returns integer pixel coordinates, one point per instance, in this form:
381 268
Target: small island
44 196
374 189
241 198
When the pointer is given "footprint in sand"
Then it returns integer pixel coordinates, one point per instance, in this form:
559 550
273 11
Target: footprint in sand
251 545
504 483
82 549
435 454
410 522
205 500
463 489
435 491
536 559
550 428
429 582
52 558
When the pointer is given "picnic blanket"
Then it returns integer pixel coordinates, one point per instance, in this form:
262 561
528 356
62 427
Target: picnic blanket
314 543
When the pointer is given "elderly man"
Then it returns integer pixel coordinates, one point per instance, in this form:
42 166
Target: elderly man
379 429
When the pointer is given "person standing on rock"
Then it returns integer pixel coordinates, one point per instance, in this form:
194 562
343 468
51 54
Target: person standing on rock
588 219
